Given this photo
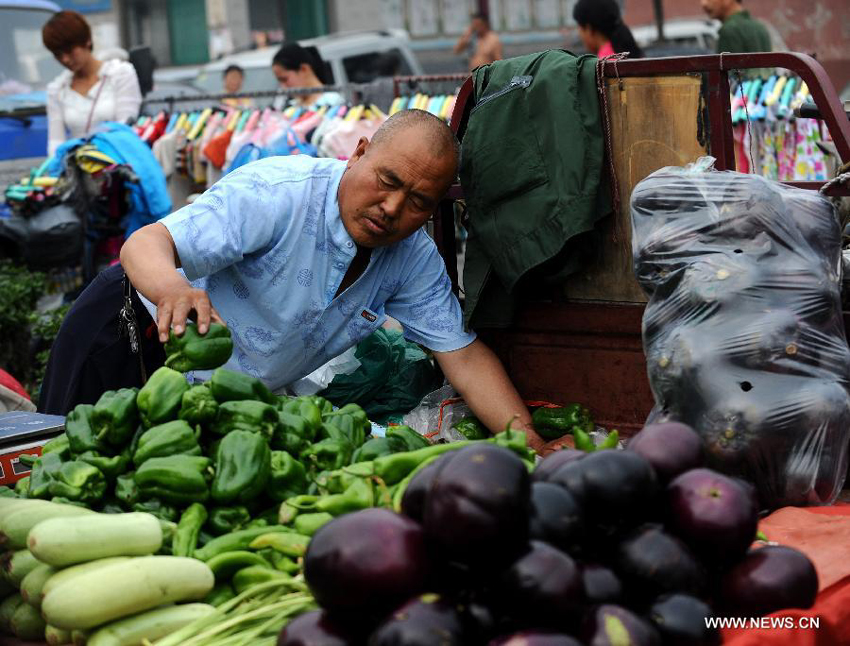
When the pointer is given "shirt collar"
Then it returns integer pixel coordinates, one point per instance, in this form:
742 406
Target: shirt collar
339 235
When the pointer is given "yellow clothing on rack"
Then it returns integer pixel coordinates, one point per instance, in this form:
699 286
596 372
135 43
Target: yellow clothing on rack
194 132
777 91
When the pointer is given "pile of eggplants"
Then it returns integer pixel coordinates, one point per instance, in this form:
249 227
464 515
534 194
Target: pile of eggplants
627 547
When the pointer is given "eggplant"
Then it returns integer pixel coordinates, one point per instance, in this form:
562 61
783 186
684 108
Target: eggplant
358 566
314 628
477 507
413 500
552 462
652 562
768 579
555 517
616 489
541 589
681 620
715 514
671 448
600 584
611 625
428 620
535 638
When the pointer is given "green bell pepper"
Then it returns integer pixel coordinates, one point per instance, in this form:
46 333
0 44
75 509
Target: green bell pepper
22 487
292 434
246 415
59 444
326 455
324 405
378 446
111 507
176 478
471 428
157 508
171 438
109 466
243 466
44 471
81 435
352 420
198 406
342 430
115 416
186 536
160 398
305 408
223 520
229 385
414 440
80 481
126 490
288 477
195 351
552 423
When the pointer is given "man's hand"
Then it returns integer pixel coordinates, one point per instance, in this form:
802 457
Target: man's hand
176 306
477 374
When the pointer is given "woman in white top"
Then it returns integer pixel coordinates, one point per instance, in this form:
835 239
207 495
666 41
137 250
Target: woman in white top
90 91
303 67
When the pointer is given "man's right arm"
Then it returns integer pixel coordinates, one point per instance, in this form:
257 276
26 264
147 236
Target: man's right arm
150 260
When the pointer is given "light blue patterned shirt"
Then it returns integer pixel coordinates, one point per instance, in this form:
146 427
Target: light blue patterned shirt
268 245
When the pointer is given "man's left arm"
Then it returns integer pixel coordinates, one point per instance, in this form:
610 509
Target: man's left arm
477 374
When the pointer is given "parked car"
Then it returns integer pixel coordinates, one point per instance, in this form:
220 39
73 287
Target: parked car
681 37
356 57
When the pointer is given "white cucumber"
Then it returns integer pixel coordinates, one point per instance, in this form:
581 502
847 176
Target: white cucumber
150 625
22 518
74 570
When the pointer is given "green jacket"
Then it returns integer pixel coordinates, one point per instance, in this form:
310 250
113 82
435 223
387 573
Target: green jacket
741 34
532 173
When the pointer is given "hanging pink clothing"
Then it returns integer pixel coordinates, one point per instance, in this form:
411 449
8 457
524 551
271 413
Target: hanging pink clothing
606 50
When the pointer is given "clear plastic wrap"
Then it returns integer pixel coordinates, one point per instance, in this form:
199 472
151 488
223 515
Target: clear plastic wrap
743 332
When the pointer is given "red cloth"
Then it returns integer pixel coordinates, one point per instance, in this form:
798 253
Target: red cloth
216 148
13 384
822 534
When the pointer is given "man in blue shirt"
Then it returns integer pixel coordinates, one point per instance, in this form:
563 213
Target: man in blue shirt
303 258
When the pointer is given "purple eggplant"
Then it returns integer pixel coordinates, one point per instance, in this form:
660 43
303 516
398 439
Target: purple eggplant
536 638
314 629
601 584
552 462
671 448
428 620
477 507
610 625
681 620
555 517
413 500
360 565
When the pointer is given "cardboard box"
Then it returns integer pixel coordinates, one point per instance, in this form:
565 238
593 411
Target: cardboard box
24 432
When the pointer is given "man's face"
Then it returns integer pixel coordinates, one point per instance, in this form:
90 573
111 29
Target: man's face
233 81
390 190
717 9
479 26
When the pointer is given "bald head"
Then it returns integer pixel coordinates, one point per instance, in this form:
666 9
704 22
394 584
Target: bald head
430 129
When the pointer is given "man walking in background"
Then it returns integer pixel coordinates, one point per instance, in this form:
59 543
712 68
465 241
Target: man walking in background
483 43
740 34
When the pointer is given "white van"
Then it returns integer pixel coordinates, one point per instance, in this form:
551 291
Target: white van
357 57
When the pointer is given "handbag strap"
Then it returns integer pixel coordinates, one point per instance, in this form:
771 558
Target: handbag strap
128 325
94 103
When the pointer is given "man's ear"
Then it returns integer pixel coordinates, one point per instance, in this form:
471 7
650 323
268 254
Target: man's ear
359 151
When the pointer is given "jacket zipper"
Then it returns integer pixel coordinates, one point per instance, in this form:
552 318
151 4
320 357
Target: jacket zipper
516 82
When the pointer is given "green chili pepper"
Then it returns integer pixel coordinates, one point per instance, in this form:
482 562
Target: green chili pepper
583 441
243 466
393 468
359 495
59 444
288 543
125 489
471 428
228 385
157 508
115 416
240 540
220 594
412 439
81 435
308 524
159 399
195 351
246 415
79 481
171 438
288 477
292 434
610 442
223 520
111 467
175 478
254 575
198 406
224 565
326 455
378 446
186 537
44 471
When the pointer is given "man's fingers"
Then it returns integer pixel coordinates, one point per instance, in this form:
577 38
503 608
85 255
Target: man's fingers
163 322
202 308
216 317
180 316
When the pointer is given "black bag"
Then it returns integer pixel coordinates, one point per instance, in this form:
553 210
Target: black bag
54 238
